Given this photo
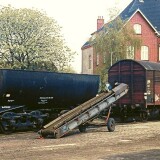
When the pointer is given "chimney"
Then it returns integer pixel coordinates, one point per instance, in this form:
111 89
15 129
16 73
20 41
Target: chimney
100 22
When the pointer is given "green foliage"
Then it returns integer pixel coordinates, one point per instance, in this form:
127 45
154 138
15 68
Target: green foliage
104 78
29 39
69 69
116 41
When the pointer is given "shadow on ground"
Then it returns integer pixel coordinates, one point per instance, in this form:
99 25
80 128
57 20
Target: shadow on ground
146 155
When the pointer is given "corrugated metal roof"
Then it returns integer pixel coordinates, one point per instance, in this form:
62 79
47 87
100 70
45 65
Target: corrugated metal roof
150 65
147 65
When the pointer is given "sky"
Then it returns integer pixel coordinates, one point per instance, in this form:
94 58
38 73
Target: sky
78 18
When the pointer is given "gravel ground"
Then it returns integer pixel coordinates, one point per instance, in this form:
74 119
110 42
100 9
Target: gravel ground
127 142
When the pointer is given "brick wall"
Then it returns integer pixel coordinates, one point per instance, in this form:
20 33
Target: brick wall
148 37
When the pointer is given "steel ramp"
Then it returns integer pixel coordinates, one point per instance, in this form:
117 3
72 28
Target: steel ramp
83 113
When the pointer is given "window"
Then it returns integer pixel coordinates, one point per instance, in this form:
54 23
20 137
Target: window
144 53
159 52
90 62
130 52
137 28
93 37
97 59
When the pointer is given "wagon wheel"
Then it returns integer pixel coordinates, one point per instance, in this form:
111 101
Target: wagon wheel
1 129
6 130
143 116
36 125
111 124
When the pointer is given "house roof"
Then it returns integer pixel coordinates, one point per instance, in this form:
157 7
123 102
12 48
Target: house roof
150 10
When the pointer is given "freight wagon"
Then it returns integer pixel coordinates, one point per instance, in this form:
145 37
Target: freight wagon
28 98
143 97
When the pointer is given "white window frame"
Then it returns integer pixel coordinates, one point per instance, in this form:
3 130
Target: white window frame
159 52
137 28
145 53
130 52
97 59
89 62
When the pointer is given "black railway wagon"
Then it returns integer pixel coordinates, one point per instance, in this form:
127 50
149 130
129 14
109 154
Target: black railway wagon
36 89
143 78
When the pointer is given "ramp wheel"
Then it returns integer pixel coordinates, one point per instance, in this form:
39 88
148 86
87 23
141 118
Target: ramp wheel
57 135
82 128
44 135
111 124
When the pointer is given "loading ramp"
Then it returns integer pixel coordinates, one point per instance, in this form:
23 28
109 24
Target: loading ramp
85 112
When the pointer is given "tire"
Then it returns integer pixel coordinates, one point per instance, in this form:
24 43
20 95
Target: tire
82 128
111 125
57 135
44 135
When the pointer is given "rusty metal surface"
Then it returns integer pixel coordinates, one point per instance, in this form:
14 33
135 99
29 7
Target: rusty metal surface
132 73
142 77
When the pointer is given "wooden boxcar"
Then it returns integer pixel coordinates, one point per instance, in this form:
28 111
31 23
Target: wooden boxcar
143 78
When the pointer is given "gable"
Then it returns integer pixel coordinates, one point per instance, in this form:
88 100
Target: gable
149 8
143 16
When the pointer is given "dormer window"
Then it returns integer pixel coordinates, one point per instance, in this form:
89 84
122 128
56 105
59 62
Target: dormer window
137 28
93 37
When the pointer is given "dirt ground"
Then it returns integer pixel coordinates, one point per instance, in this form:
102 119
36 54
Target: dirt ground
128 142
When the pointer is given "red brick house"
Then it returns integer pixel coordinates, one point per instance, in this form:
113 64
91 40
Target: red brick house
144 17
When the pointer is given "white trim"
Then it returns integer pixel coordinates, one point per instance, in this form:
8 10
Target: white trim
97 59
159 53
144 53
138 10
